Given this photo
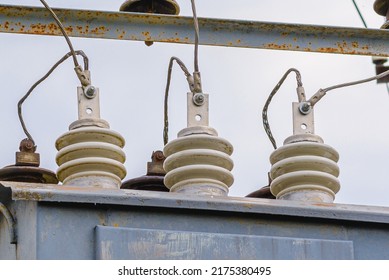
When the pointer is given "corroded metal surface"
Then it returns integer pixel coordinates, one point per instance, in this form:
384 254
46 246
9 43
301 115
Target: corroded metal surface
215 32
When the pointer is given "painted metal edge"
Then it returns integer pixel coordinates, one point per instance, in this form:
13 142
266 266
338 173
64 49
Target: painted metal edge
73 194
214 32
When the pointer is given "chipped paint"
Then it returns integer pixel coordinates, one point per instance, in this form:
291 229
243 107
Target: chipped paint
215 32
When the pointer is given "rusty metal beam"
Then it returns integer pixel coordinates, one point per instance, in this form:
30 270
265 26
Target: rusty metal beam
214 32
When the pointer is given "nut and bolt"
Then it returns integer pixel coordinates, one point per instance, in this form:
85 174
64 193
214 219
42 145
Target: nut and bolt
305 108
199 99
27 146
90 92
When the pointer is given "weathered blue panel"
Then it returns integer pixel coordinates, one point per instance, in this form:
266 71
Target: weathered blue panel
7 250
140 244
55 222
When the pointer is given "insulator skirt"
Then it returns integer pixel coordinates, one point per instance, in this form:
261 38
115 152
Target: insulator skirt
305 167
199 161
89 153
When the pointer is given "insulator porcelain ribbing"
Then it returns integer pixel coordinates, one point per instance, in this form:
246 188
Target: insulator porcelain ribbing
91 156
302 169
199 164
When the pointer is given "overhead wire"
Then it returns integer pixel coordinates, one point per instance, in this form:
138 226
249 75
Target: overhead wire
322 92
65 35
197 36
265 119
189 77
359 13
82 76
21 101
166 101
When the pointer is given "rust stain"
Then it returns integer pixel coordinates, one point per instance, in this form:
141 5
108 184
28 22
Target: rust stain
28 195
147 35
279 47
177 40
99 30
39 28
328 50
69 29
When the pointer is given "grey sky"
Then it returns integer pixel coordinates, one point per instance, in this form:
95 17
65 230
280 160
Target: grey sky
132 79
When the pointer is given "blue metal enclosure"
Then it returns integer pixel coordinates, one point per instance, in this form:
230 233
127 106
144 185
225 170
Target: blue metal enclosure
55 222
39 221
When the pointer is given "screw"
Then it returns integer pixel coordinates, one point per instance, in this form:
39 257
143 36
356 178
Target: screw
305 108
90 92
199 99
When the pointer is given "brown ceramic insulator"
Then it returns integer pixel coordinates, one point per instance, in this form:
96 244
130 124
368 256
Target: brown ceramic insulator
26 168
262 193
153 180
381 7
27 174
167 7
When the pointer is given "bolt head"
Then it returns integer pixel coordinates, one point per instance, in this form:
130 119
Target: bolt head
199 99
305 108
90 92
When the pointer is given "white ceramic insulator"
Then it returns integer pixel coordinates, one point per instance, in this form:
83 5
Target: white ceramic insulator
199 164
305 171
91 157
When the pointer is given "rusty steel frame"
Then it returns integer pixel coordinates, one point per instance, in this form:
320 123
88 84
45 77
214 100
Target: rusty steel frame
214 32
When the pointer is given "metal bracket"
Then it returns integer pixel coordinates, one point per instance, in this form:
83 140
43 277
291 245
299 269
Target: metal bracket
303 123
198 115
88 107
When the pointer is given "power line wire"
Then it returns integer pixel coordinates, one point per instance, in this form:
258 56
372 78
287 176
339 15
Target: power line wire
359 13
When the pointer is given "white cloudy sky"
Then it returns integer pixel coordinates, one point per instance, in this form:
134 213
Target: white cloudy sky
132 78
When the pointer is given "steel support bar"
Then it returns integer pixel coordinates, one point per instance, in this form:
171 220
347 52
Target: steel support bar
215 32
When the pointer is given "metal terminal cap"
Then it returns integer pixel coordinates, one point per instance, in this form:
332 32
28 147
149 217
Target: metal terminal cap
381 7
168 7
